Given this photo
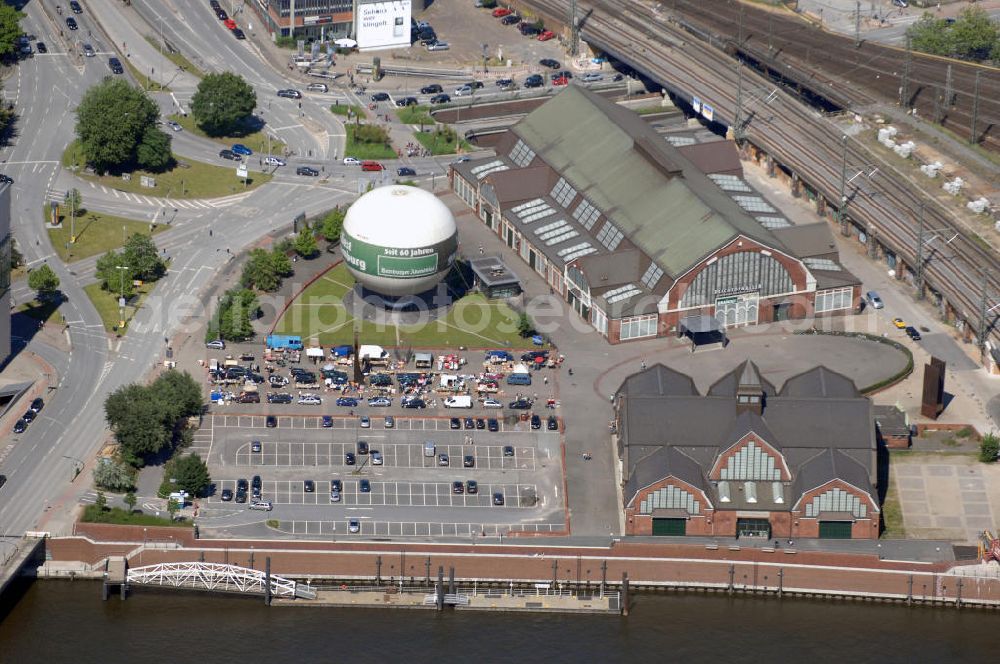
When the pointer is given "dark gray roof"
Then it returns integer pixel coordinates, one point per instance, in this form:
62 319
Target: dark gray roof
891 421
808 240
518 184
660 462
604 271
815 414
819 382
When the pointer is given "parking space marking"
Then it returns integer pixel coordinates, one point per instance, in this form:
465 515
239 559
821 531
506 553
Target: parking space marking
344 422
373 527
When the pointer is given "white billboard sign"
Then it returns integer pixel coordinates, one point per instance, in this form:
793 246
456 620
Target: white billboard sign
383 25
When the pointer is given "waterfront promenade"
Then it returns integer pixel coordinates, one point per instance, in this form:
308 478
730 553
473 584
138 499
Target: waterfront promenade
647 565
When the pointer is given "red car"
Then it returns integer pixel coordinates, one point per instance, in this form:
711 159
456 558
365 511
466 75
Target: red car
546 35
371 166
502 11
560 80
229 23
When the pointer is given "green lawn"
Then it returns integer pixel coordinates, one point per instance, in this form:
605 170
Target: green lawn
106 304
255 140
415 115
342 109
433 141
144 81
319 315
43 312
892 515
187 179
96 233
177 58
94 514
366 150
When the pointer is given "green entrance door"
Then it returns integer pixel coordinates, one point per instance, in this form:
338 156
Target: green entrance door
670 527
835 529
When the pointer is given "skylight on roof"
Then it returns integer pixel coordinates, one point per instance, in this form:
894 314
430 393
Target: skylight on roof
575 251
537 213
586 214
487 166
821 264
621 293
562 237
730 182
521 154
610 236
652 275
771 222
524 206
563 192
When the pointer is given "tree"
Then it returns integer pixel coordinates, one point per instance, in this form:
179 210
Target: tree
74 201
172 507
989 448
143 434
10 28
112 279
130 500
222 103
153 152
112 119
178 391
236 309
524 325
43 281
333 224
973 34
113 475
930 35
142 257
280 263
305 243
258 272
101 501
191 474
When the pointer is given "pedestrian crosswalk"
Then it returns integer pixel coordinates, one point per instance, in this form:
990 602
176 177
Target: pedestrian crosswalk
201 442
55 195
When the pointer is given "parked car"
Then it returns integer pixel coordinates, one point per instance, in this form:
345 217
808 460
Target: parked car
498 499
508 450
376 457
443 460
468 461
229 23
380 96
75 7
327 421
364 486
874 300
274 161
239 34
472 487
365 422
431 89
242 487
511 19
493 425
456 423
310 400
241 149
469 423
380 402
309 486
71 23
403 102
334 495
438 46
289 93
500 12
256 486
546 35
307 170
263 505
536 422
349 459
227 495
347 402
42 48
440 99
519 404
899 323
457 487
37 404
114 64
353 526
217 344
352 161
279 397
29 416
534 81
414 403
362 448
550 63
913 333
591 77
230 155
255 447
369 165
552 424
390 422
404 171
248 397
271 422
529 30
20 426
480 423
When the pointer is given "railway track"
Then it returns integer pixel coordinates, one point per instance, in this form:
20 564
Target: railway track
805 140
870 71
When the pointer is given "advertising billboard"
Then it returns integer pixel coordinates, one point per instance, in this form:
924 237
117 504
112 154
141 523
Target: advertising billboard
397 263
382 24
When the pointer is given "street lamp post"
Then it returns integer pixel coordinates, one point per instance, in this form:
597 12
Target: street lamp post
121 303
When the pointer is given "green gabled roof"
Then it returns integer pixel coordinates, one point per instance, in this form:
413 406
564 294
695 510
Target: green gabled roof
674 213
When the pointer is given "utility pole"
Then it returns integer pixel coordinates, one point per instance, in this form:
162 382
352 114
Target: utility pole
574 30
982 311
857 24
291 20
770 34
842 205
904 84
738 119
121 303
948 91
918 280
975 111
739 34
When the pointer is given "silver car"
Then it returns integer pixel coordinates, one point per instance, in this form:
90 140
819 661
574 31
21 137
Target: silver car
88 50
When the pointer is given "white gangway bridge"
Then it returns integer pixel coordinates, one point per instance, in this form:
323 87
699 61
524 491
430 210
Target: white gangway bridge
218 578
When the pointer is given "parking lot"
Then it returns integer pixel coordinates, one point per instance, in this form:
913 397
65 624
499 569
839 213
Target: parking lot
517 476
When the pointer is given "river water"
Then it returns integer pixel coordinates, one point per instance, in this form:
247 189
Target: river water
64 621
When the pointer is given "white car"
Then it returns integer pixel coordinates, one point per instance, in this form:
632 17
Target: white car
274 161
334 496
353 526
376 458
380 402
591 77
173 125
310 400
264 505
492 403
352 161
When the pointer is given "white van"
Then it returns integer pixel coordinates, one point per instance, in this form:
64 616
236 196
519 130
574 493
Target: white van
460 401
429 448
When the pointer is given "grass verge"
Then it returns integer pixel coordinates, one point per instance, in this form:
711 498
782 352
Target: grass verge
176 57
892 515
94 514
187 179
442 142
361 150
415 115
145 82
255 140
106 304
318 314
344 109
96 233
43 312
